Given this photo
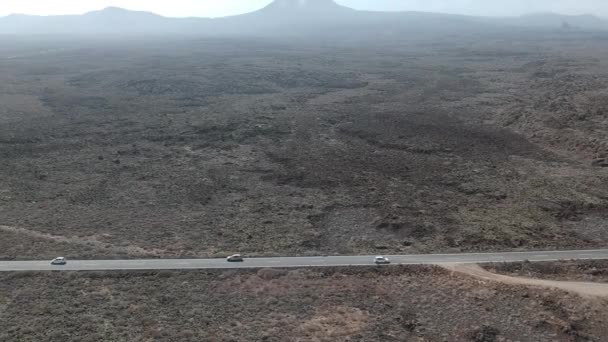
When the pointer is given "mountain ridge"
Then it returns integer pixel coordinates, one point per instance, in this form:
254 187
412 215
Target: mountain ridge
278 17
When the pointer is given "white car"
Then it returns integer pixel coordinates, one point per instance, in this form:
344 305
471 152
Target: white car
234 258
380 260
59 261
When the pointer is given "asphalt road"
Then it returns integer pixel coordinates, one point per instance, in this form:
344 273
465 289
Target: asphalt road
279 262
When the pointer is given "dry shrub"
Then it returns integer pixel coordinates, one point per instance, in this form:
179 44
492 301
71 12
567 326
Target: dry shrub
271 273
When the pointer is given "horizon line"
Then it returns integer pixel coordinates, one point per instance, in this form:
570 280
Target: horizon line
232 15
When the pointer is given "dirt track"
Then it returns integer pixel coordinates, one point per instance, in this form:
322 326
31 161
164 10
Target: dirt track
582 288
89 242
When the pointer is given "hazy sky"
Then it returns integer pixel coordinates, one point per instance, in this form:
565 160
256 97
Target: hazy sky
214 8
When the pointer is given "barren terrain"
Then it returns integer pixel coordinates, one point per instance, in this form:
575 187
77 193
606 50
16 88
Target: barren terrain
267 147
363 304
203 147
588 271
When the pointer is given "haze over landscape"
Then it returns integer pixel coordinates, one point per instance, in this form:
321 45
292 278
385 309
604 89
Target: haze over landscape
311 171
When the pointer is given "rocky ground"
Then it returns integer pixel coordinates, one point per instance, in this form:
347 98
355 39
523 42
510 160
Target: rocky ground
363 304
589 271
209 147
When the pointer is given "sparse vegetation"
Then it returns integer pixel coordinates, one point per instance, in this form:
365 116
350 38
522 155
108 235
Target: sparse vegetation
385 142
387 304
589 271
272 148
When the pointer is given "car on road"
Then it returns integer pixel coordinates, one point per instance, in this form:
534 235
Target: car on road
235 258
59 261
380 260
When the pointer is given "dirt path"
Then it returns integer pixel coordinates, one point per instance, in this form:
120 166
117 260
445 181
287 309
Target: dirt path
90 242
582 288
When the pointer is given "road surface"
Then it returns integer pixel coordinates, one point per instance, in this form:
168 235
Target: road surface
280 262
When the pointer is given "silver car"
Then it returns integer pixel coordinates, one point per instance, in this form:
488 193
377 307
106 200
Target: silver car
59 261
380 260
234 258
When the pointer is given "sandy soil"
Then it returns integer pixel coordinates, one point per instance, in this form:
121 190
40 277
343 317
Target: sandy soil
582 288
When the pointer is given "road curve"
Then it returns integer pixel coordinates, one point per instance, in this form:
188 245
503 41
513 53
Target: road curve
321 261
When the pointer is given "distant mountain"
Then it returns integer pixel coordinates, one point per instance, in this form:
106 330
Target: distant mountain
304 7
111 20
278 18
289 15
327 17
